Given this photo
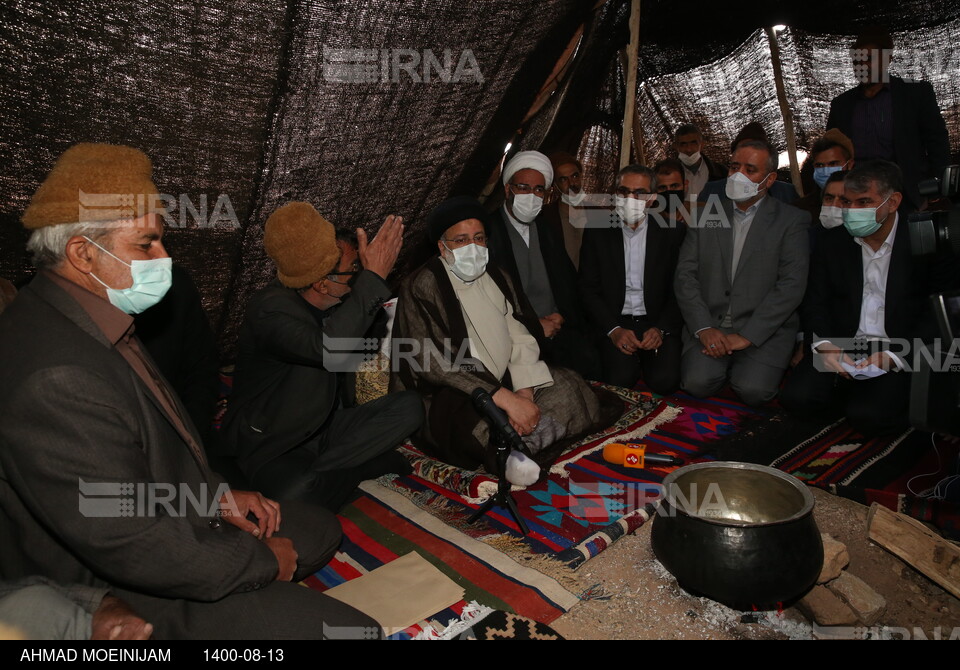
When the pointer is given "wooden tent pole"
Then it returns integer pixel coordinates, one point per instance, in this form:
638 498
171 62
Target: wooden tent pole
785 110
631 93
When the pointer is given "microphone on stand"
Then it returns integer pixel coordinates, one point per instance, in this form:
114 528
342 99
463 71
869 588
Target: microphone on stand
486 407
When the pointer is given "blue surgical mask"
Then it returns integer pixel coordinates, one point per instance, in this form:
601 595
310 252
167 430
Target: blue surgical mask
822 174
863 222
151 281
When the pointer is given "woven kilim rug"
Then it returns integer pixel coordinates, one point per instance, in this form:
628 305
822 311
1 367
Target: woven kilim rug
380 525
891 470
585 504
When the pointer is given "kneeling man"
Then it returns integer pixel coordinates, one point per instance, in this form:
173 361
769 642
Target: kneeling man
462 325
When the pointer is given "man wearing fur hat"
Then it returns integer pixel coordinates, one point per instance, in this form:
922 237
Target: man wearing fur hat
286 422
103 480
536 260
461 325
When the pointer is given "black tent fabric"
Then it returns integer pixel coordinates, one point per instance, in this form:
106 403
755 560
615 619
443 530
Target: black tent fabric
366 107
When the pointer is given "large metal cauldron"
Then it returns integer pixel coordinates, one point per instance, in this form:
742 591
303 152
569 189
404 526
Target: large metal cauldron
741 534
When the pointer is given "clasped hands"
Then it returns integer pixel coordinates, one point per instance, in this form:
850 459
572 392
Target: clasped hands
717 344
626 341
521 410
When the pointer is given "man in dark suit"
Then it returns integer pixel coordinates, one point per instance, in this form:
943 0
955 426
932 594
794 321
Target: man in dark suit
535 258
286 422
891 119
741 274
867 307
626 281
103 480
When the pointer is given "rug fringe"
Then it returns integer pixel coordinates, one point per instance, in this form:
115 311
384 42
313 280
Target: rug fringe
667 414
546 564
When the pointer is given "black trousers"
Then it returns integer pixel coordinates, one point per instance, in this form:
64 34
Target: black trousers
872 406
356 444
659 369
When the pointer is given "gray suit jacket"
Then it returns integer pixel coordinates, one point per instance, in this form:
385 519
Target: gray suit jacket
769 284
72 409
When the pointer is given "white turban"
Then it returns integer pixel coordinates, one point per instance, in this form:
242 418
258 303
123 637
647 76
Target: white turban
529 160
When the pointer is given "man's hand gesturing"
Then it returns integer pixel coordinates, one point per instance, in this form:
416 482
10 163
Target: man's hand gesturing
380 255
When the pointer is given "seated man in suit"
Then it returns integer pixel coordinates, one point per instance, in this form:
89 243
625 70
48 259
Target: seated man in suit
626 281
463 325
535 259
891 119
103 479
287 421
867 307
740 279
717 189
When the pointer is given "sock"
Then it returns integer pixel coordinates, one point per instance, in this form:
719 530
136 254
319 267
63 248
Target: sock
521 469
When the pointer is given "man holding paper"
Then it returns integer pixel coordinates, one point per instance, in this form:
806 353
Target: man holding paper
867 308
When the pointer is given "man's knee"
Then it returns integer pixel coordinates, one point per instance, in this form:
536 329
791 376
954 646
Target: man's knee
699 384
754 394
315 533
407 406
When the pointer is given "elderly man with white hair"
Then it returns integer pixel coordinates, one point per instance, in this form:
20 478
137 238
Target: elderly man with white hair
104 481
536 260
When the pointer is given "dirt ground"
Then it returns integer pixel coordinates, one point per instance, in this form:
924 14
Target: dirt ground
636 598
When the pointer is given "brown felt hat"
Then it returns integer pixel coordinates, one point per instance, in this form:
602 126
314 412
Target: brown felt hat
302 243
94 182
837 137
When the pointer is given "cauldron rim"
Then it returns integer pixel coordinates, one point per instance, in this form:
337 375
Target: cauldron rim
805 510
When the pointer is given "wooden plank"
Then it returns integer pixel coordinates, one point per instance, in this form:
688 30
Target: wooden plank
917 545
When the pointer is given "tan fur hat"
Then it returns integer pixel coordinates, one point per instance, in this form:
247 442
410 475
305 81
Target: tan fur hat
302 243
94 182
837 137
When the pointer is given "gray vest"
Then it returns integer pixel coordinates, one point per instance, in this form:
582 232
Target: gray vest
532 270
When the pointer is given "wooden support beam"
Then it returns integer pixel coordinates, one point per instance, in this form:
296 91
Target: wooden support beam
630 103
785 110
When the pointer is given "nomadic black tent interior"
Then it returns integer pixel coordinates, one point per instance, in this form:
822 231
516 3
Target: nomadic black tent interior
367 107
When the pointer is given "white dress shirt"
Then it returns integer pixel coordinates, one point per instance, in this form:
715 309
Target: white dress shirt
634 260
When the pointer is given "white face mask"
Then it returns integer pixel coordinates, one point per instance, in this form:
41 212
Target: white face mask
151 281
631 210
468 262
831 217
526 207
689 159
575 199
740 187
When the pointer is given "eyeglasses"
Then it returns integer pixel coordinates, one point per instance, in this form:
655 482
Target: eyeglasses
464 240
355 269
525 189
